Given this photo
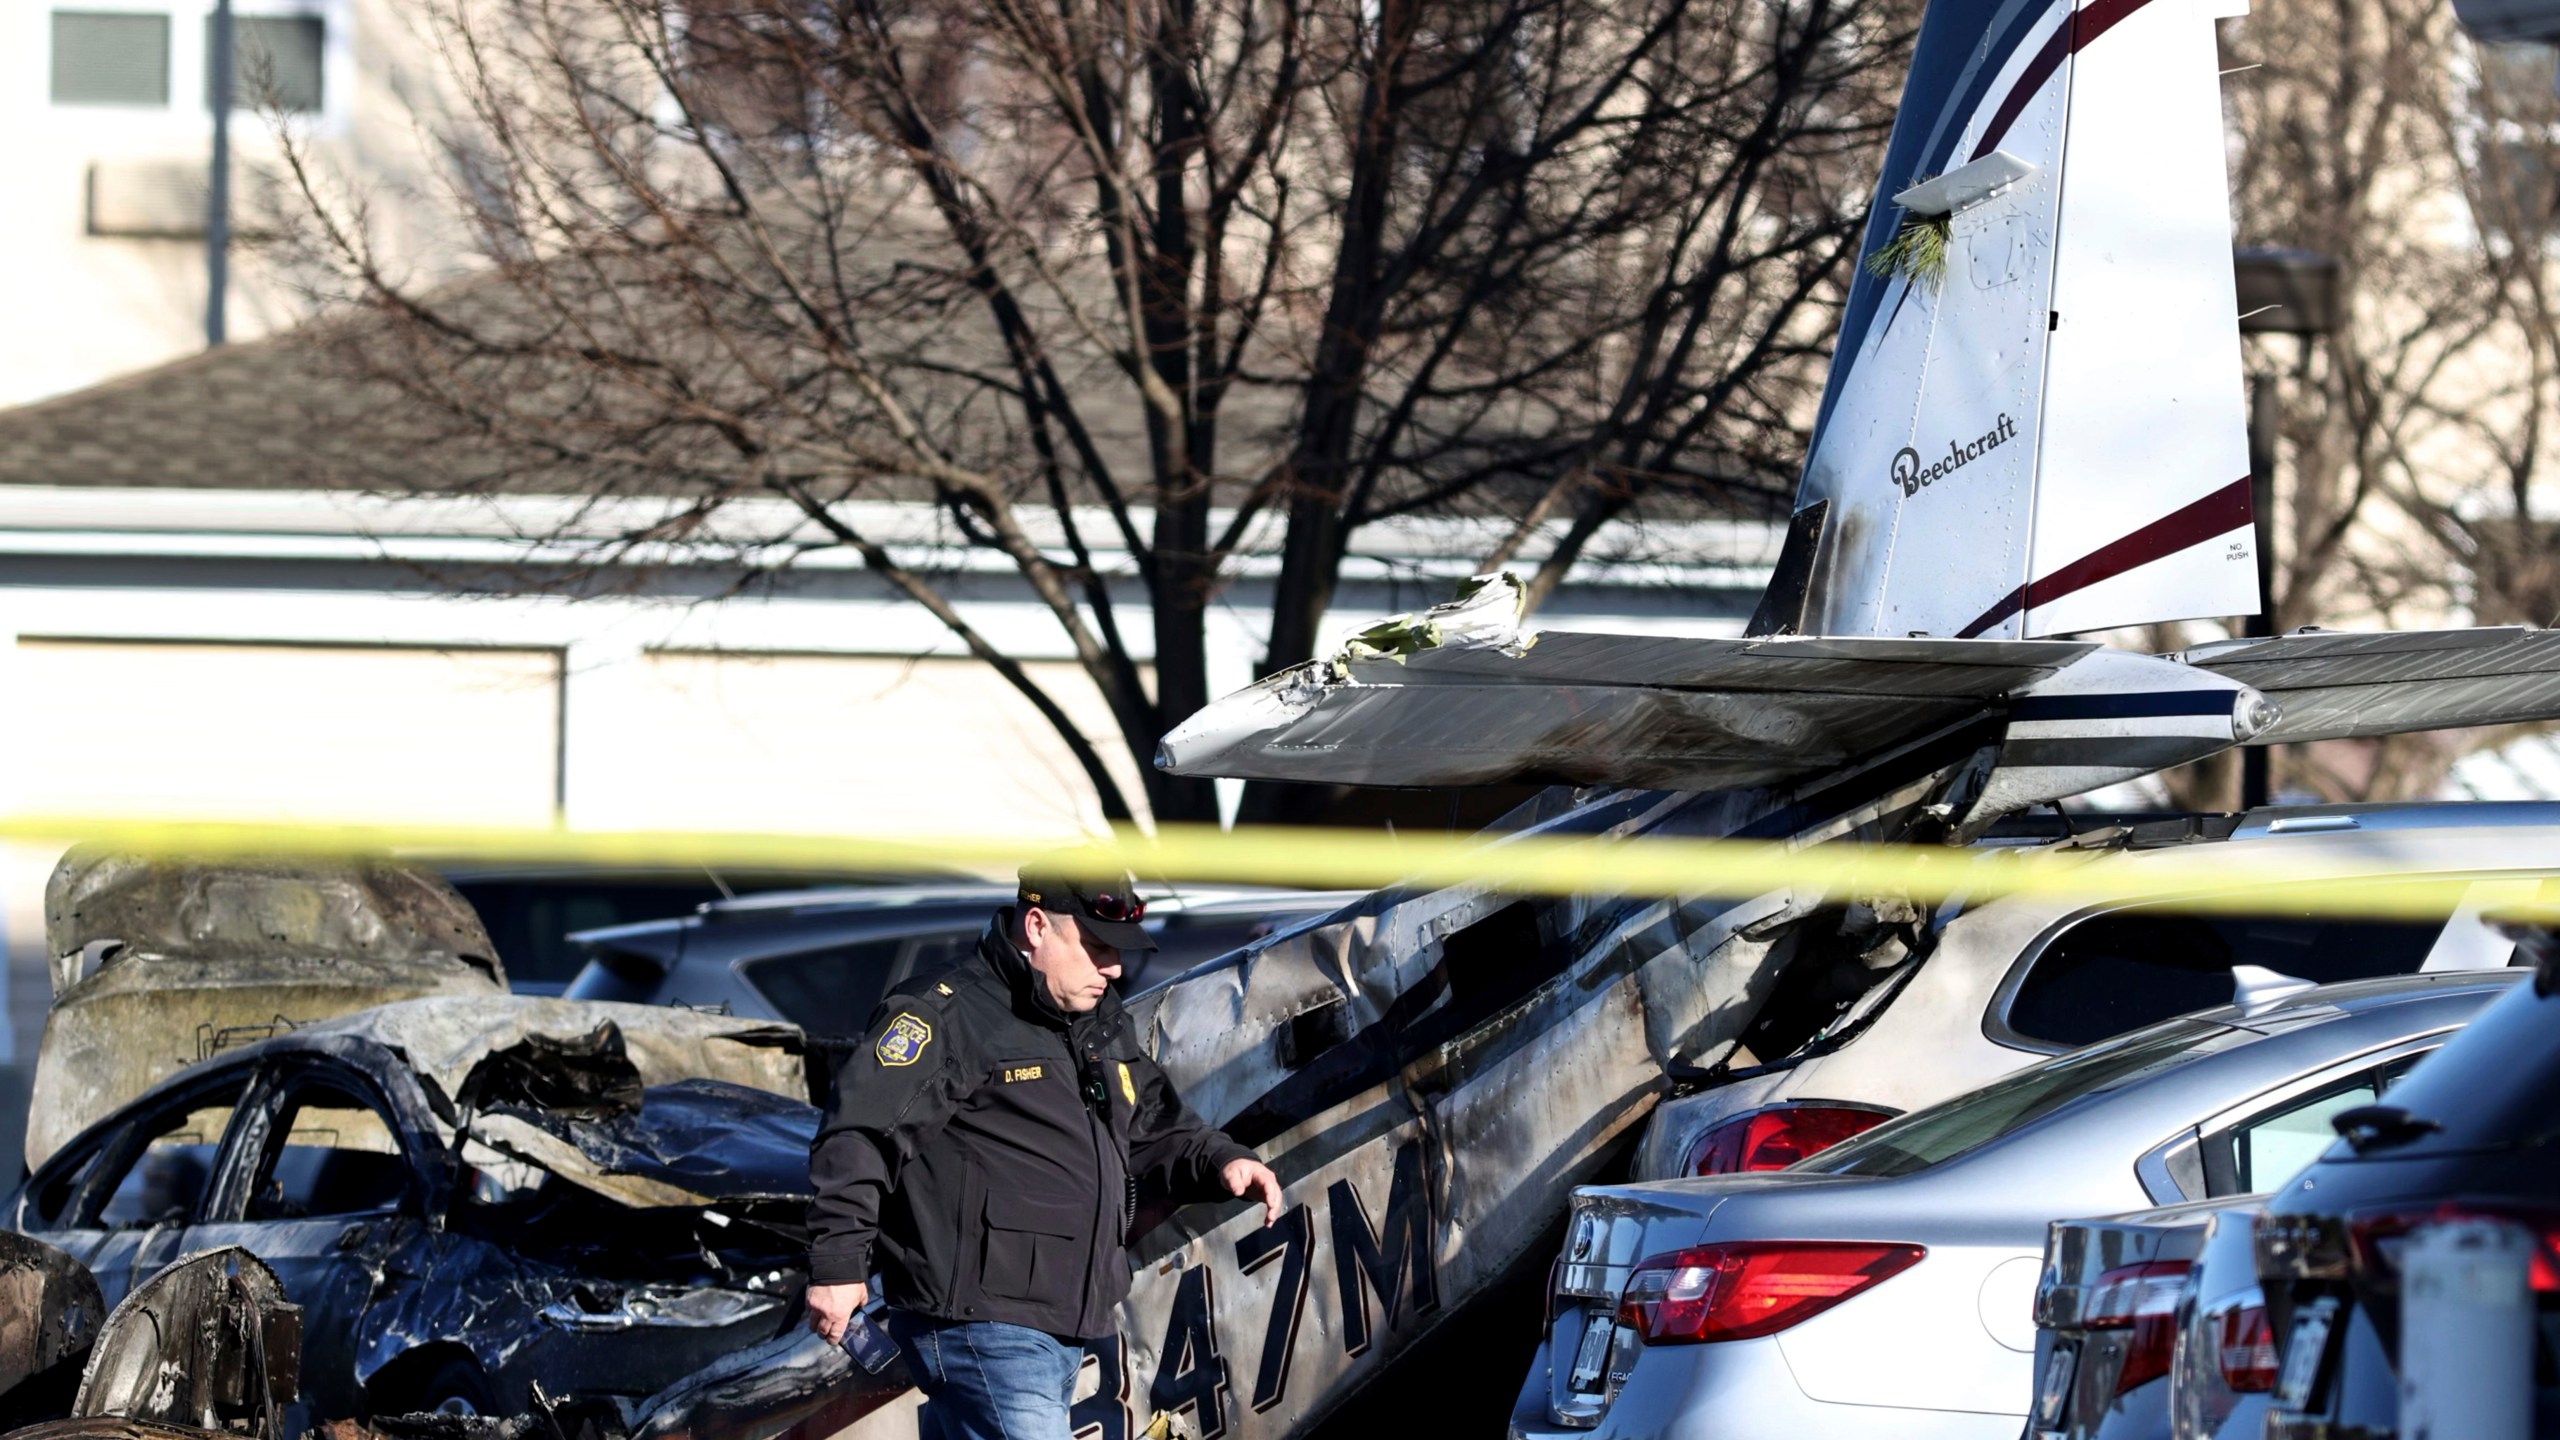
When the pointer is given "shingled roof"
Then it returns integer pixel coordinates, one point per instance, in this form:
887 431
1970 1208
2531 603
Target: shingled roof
238 418
291 412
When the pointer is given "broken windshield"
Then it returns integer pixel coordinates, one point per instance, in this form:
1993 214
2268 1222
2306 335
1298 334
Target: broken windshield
1941 1132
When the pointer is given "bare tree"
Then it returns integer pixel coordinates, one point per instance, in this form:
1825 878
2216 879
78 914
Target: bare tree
2411 440
1173 278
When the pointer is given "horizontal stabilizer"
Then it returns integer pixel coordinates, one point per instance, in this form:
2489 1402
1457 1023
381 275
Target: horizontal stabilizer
2335 686
1579 709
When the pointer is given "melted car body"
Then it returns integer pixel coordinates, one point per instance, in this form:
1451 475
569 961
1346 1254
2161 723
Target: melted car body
469 1196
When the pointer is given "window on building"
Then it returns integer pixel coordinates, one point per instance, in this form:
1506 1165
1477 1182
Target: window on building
2519 80
2518 143
743 72
2518 199
103 57
275 61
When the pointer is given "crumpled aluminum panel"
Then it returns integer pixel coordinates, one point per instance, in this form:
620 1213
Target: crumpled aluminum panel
1483 1081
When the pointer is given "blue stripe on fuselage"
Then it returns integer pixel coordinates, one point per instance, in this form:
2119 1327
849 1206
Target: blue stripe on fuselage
2124 705
1962 47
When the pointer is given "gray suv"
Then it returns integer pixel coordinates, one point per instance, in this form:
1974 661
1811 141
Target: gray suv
821 959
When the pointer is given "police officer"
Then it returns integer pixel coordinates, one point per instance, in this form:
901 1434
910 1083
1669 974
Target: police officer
984 1155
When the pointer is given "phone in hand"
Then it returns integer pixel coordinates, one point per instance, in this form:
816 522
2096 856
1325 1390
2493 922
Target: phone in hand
868 1344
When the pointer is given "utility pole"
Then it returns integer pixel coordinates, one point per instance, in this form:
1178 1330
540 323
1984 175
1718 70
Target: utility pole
217 204
2262 510
2281 292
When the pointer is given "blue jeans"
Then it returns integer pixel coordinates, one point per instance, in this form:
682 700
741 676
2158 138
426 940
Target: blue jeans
987 1381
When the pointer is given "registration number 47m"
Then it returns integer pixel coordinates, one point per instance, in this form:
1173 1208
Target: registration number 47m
1384 1278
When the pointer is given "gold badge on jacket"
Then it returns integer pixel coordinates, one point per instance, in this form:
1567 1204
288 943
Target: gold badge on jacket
1128 1087
904 1041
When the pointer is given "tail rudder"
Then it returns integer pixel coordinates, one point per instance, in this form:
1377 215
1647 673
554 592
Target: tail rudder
2033 423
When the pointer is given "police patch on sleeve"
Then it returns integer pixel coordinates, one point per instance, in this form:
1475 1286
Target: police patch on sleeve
904 1041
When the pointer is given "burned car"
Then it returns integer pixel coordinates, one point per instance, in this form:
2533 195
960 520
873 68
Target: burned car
467 1195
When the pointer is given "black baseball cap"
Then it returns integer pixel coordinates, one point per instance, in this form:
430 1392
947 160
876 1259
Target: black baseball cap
1106 909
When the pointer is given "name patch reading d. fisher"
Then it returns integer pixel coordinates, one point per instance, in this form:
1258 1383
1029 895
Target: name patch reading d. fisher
1016 1074
903 1041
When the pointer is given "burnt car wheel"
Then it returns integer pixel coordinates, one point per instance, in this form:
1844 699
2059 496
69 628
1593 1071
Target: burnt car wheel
441 1380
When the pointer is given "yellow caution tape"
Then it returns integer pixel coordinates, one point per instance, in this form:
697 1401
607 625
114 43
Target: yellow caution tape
1335 859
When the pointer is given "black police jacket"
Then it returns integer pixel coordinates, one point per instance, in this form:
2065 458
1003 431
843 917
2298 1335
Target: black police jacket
984 1150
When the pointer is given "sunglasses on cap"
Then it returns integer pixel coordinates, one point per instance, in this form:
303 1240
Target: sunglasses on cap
1111 904
1119 904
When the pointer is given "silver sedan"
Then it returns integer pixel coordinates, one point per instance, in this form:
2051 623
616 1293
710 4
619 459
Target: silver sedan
1886 1286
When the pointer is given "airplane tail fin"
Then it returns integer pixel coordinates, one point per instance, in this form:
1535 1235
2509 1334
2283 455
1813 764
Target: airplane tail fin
2034 423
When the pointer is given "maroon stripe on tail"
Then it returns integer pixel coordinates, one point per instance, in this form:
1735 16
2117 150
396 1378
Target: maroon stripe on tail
2072 36
2097 18
2216 515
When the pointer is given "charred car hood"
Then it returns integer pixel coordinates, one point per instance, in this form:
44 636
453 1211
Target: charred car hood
160 962
646 1105
533 1040
691 1143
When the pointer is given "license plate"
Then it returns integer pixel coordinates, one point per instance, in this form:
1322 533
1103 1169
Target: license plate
1593 1355
2056 1385
2303 1352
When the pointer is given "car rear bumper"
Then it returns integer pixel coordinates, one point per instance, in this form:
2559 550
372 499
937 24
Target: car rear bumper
1739 1390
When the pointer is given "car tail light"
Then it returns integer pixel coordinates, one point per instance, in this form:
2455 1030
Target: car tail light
1776 1138
2143 1299
1751 1288
2376 1237
2245 1350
